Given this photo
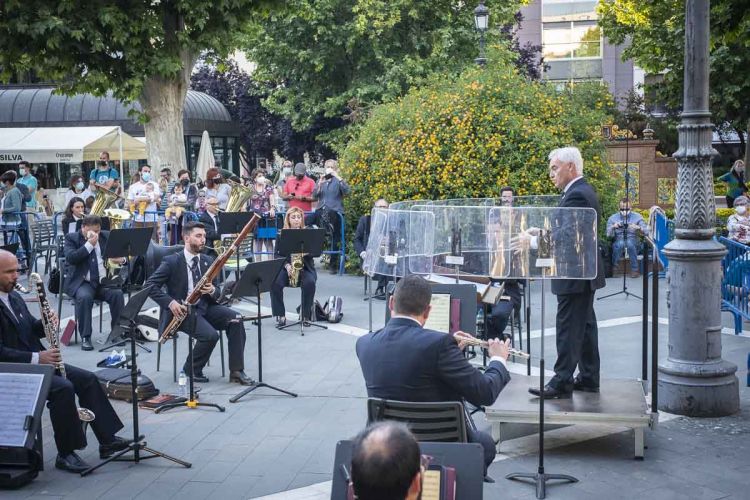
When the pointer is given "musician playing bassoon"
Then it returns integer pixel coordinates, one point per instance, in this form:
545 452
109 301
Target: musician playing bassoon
178 273
296 269
19 343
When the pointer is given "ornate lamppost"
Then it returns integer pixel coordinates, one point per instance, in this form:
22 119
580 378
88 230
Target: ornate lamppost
695 380
481 20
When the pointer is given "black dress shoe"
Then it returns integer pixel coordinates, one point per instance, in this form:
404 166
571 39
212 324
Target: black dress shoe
199 377
86 345
580 386
550 393
117 444
71 462
241 378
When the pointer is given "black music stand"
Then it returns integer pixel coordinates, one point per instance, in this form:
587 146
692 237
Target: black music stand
257 278
125 243
233 223
466 458
304 241
128 319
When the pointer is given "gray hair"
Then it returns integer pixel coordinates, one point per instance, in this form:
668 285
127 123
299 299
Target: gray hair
741 200
568 154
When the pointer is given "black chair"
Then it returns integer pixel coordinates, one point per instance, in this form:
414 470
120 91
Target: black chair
61 266
428 421
44 244
154 255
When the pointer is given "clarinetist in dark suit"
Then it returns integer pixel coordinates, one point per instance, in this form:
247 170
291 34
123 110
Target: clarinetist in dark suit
179 273
19 343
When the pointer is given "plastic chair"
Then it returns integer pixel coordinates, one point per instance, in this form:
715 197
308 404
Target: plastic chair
428 421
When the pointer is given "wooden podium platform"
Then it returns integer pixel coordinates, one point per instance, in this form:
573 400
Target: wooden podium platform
621 402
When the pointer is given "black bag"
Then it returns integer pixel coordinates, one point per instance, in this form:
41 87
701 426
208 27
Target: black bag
25 193
116 384
53 284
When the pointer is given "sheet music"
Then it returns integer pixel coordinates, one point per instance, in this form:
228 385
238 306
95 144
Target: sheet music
19 393
440 314
431 485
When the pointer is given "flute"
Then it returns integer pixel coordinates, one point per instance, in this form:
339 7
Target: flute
484 345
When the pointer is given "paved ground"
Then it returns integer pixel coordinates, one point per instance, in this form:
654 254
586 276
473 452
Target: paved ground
275 445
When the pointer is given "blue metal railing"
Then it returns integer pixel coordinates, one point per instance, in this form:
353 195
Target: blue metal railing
735 282
664 234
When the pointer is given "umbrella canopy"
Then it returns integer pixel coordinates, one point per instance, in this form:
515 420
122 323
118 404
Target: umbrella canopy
205 157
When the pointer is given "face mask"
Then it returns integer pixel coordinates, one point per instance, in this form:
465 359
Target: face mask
624 212
22 172
184 183
79 186
146 176
102 164
329 171
260 180
287 171
740 210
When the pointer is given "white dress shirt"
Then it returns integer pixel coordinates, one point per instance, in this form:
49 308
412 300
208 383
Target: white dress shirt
99 260
189 260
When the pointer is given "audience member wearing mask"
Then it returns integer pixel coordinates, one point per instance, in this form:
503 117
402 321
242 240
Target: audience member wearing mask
103 174
624 226
330 193
31 183
10 206
262 202
735 180
298 190
216 187
738 224
77 189
286 173
189 188
143 196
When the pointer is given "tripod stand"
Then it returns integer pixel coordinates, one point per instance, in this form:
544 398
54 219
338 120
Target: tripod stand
192 402
540 478
129 314
257 278
625 230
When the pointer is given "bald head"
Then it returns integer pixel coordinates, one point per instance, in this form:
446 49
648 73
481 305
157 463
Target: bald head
8 271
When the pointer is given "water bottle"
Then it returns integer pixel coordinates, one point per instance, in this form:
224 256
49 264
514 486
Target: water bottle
182 381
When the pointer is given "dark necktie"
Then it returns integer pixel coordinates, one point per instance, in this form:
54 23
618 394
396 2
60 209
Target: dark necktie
196 271
93 267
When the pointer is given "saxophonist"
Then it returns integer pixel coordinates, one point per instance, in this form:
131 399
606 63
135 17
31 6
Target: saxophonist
298 271
19 343
178 273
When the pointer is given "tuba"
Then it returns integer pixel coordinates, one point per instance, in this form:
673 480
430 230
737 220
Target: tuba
50 332
117 217
238 196
103 200
297 266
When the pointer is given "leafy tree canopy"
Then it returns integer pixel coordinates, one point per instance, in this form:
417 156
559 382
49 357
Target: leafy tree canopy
340 57
656 32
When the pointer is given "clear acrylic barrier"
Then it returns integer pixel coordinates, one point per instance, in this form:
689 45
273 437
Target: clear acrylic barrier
400 243
544 200
550 242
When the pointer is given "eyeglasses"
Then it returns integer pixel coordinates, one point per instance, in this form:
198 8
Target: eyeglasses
212 203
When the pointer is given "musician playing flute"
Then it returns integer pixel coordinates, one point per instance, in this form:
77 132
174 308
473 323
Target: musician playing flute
406 362
306 276
171 284
19 343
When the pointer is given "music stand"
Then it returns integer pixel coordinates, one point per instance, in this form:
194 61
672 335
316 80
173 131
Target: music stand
256 279
128 318
304 241
232 223
125 243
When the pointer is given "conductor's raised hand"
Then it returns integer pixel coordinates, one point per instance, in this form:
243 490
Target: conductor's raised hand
498 347
463 339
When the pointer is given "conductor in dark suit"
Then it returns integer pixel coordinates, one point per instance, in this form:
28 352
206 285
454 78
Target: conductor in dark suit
84 272
360 245
179 273
19 343
406 362
577 334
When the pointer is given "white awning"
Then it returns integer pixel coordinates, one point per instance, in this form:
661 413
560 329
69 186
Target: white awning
67 144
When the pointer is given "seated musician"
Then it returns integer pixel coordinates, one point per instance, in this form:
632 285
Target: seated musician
73 213
307 276
210 219
360 245
84 272
179 273
19 343
500 313
405 362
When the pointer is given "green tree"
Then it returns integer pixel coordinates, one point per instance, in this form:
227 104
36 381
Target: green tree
340 57
140 51
468 136
655 31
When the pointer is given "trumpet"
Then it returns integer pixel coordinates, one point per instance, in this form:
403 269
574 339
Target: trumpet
484 345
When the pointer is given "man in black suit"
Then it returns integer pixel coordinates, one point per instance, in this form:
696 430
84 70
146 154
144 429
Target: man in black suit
405 362
577 333
19 343
210 219
179 273
360 245
84 272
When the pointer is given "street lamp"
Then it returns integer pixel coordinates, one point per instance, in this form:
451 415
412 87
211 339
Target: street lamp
481 19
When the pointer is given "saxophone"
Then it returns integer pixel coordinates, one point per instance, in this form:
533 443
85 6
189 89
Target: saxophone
50 332
297 266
